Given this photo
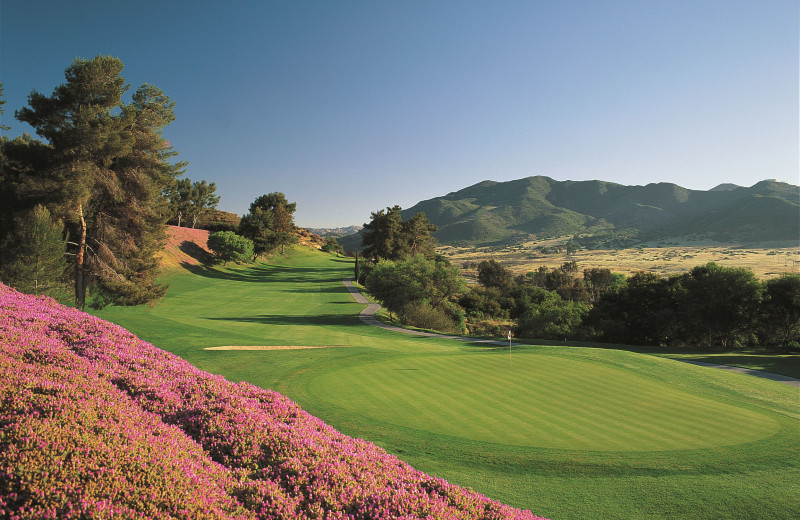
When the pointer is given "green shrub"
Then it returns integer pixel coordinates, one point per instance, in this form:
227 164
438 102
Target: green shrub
400 283
422 315
230 247
551 317
485 328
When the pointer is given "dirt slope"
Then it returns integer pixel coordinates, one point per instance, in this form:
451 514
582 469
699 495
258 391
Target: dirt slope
185 246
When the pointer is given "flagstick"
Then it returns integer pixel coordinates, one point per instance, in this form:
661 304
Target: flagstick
511 363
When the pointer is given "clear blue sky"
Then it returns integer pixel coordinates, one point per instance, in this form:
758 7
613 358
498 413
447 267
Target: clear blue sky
351 106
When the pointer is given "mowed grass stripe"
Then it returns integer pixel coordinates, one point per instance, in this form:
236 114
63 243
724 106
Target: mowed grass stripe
543 413
517 405
627 399
410 388
613 415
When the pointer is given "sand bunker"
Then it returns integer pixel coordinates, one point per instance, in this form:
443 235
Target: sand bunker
271 347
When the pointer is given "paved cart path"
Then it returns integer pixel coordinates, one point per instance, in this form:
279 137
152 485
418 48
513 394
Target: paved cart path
367 315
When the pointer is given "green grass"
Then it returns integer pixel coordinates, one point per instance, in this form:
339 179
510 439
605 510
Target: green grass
568 432
568 404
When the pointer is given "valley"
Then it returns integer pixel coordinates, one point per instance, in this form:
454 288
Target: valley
664 260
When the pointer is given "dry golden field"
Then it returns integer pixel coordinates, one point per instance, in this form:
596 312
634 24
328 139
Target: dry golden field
668 260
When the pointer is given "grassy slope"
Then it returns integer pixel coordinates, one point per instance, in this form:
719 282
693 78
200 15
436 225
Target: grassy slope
550 429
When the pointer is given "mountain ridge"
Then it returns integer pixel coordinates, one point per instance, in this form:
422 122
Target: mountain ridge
538 207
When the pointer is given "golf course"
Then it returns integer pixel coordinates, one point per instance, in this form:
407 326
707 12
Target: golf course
569 432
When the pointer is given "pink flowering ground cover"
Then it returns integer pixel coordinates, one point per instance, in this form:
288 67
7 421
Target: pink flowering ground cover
96 423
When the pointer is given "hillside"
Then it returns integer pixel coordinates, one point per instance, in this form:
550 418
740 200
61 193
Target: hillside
490 213
188 246
100 424
185 246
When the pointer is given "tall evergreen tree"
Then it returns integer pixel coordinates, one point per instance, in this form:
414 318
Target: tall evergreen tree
6 197
3 127
33 255
108 168
21 158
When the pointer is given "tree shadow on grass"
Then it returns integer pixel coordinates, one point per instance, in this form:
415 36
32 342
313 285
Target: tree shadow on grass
311 290
285 319
198 253
208 271
262 273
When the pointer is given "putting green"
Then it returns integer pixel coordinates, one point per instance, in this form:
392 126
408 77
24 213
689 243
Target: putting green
540 401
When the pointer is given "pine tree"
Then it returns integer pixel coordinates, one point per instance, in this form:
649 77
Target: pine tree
129 222
6 194
107 170
34 255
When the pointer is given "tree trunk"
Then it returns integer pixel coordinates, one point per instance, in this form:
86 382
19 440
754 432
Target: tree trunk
179 218
80 283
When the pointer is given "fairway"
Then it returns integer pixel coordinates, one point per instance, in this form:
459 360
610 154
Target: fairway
568 432
540 401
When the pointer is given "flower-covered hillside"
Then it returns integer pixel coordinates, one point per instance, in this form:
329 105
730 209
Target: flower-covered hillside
95 423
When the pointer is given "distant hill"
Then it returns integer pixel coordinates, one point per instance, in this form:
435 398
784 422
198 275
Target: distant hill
725 187
336 232
606 214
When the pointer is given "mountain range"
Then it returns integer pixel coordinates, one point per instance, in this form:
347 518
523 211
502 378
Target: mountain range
606 214
335 232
